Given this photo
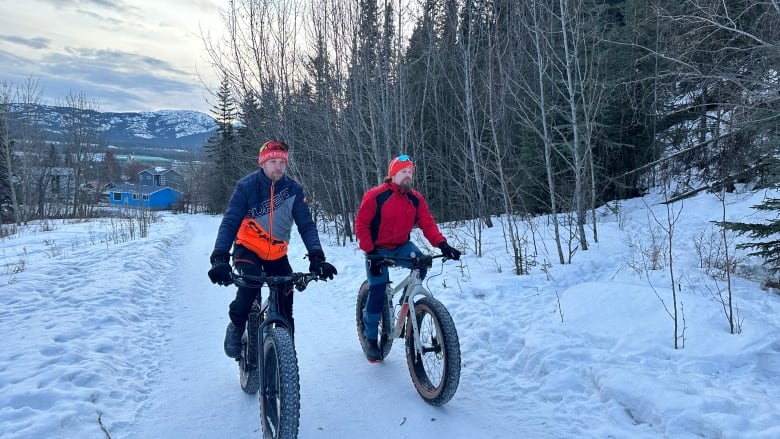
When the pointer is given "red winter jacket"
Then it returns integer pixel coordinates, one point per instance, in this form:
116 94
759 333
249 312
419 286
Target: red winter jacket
386 217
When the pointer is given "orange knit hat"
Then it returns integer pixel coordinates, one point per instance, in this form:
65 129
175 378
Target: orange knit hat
398 163
273 149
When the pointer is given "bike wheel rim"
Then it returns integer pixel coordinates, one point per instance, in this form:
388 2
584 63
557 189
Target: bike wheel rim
271 395
433 357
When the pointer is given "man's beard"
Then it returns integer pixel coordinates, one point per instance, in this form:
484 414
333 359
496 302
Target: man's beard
275 175
405 185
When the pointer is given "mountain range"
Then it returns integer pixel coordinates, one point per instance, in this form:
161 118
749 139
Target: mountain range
164 129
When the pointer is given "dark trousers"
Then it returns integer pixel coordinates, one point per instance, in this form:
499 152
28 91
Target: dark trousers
249 263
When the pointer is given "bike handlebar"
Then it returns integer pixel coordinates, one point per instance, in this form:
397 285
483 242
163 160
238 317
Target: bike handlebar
299 280
417 261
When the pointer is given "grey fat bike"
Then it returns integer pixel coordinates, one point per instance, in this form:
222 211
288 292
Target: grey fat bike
412 313
268 362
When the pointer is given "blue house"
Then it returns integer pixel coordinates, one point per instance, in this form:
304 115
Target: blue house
154 192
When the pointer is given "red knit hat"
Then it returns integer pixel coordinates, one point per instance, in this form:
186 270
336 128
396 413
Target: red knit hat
398 163
273 149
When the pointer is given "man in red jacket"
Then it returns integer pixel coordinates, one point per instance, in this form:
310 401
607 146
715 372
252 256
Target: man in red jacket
383 225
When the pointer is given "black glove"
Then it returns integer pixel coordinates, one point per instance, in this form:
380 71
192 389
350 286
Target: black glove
375 267
448 251
221 272
318 266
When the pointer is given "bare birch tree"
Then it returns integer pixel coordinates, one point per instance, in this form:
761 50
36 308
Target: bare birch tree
82 140
6 149
534 107
27 161
570 62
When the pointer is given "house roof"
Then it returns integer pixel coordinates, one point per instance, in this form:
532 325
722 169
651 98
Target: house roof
158 171
140 189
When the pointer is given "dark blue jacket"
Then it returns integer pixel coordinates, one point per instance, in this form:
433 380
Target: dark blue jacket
252 199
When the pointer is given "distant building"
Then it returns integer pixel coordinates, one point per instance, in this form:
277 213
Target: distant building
161 177
158 190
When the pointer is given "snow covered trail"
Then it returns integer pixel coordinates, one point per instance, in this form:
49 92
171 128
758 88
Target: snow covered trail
196 393
105 336
542 357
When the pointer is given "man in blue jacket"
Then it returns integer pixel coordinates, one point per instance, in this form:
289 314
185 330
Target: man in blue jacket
257 225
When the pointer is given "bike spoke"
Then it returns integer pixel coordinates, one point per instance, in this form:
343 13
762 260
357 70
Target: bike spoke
435 363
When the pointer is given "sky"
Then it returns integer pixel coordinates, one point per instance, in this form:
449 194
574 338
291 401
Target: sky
122 55
107 334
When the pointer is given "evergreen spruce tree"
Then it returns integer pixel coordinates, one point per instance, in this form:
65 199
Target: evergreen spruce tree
770 249
220 150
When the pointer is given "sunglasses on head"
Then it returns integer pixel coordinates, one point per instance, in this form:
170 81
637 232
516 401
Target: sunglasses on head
404 158
274 145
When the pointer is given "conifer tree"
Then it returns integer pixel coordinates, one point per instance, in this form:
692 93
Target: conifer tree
220 150
769 249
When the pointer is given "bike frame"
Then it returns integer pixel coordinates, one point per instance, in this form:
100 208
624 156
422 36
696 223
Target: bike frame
431 339
264 312
409 288
268 328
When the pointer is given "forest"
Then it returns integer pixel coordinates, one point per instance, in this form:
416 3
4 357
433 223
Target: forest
509 109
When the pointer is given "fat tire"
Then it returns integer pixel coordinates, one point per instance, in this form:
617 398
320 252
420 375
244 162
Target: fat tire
437 374
280 401
249 373
385 341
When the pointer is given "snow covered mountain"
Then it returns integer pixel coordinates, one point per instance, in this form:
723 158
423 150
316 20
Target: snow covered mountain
165 129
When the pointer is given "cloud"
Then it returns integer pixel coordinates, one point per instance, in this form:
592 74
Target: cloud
129 55
85 4
108 14
113 78
15 65
35 43
107 59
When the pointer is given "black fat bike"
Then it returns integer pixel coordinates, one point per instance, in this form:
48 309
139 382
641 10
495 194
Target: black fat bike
432 346
268 362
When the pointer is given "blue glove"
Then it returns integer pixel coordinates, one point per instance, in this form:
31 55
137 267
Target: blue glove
448 251
318 266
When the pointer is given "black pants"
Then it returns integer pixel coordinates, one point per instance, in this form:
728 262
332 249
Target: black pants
249 263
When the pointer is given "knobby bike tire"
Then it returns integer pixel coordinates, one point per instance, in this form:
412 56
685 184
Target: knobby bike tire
247 363
435 374
385 341
280 399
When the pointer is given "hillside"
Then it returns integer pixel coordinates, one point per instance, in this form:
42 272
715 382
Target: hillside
165 129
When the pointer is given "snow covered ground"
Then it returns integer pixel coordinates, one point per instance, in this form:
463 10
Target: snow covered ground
103 338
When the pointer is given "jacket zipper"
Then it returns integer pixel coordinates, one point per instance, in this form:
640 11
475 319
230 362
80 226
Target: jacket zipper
271 214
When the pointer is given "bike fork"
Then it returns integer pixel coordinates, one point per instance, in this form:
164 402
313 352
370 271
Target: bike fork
261 331
407 309
252 349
